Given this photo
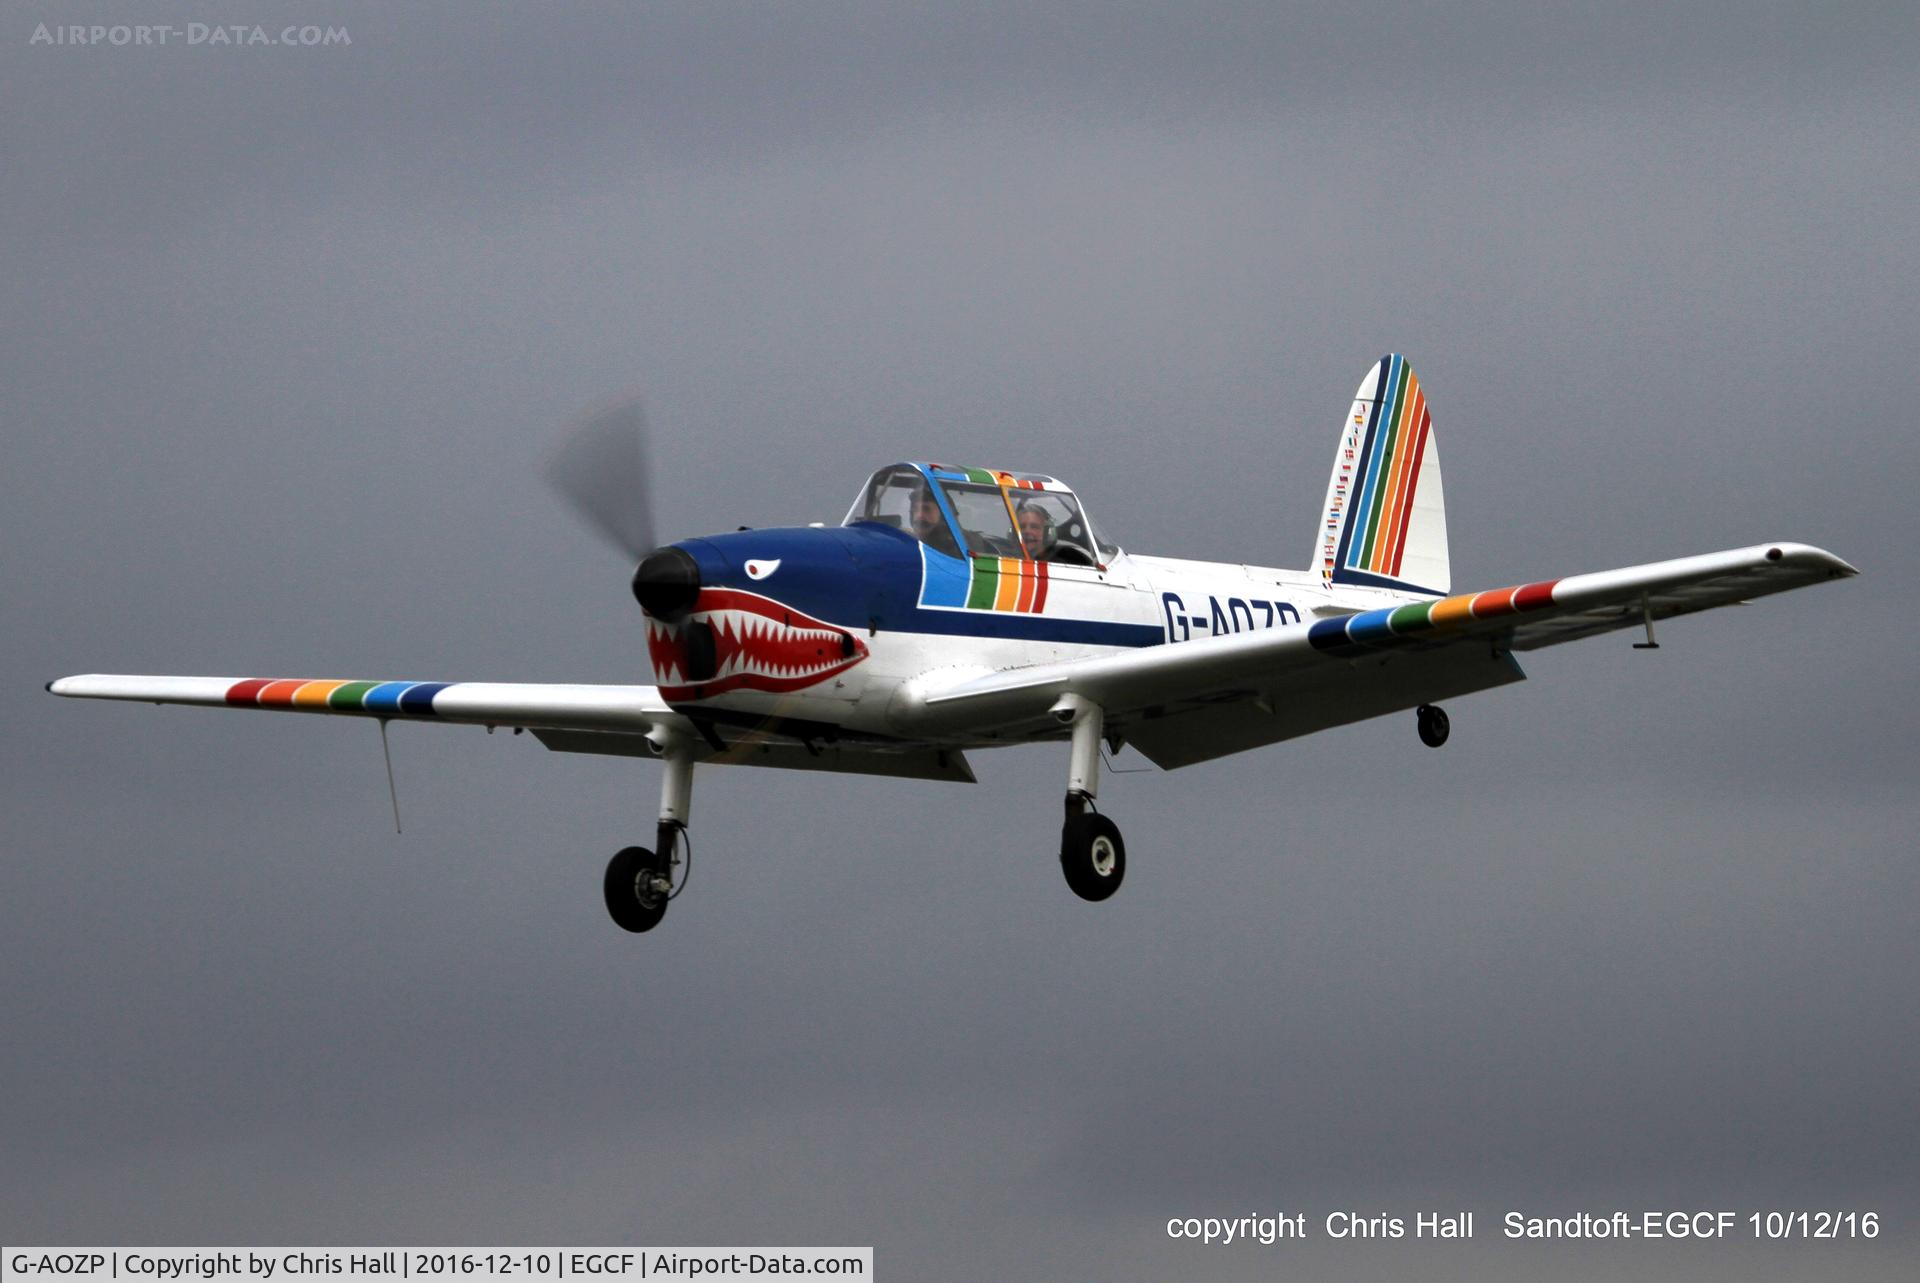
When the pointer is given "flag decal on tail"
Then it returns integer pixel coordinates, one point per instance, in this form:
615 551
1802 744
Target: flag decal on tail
1385 514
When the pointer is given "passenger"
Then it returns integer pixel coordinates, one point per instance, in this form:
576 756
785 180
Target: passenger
1036 530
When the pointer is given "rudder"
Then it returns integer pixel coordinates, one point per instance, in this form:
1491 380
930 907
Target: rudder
1384 524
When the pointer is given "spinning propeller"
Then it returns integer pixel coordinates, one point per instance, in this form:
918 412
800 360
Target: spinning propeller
600 469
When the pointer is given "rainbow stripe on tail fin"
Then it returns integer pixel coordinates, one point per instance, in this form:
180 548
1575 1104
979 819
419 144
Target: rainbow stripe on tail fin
1385 520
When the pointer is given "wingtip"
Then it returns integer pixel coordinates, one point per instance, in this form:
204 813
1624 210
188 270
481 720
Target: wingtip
1838 567
1808 555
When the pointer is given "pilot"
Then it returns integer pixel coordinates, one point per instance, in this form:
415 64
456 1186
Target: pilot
1036 530
927 521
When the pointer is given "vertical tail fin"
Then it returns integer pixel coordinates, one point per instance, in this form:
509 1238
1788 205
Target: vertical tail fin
1385 520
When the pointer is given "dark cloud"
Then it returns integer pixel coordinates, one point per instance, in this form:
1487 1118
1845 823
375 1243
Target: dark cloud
288 332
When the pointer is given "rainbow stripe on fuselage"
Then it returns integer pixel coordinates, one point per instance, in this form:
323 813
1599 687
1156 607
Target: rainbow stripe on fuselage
1003 583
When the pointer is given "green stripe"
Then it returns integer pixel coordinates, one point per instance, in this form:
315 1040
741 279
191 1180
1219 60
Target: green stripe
1381 477
348 696
986 583
1411 618
981 476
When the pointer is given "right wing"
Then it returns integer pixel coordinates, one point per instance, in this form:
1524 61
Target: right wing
1191 701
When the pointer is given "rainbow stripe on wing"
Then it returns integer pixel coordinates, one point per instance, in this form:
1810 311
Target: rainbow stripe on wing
1391 625
383 699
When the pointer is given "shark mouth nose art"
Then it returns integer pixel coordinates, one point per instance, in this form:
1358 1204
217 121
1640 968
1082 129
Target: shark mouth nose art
756 643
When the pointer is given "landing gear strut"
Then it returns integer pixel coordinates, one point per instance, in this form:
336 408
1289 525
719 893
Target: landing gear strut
1092 855
1433 725
639 882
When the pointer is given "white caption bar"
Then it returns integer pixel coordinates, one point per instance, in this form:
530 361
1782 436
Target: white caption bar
387 1264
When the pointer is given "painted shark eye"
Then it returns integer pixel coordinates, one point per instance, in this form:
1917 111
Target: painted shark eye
761 569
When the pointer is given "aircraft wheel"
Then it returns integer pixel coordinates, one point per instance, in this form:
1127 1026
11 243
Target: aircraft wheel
1433 725
1092 856
632 902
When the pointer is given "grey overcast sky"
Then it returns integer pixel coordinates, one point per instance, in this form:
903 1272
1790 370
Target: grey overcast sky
286 332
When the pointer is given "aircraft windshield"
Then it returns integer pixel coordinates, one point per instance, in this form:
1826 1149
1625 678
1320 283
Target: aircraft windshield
994 520
900 497
984 521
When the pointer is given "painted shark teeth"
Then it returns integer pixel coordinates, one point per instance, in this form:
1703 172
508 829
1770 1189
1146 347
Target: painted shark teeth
758 644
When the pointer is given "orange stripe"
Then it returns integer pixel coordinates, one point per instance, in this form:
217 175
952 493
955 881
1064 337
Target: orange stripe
1398 480
1489 605
315 693
1452 611
1009 589
1025 604
279 692
1006 501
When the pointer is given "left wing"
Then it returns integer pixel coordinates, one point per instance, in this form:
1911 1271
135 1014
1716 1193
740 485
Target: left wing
566 718
636 709
1191 701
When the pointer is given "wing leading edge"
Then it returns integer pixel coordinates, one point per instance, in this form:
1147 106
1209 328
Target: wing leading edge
1198 700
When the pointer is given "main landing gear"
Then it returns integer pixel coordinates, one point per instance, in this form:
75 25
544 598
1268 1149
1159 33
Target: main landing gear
1433 724
639 882
1092 855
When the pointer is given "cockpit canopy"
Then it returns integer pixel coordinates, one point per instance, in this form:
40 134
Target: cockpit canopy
982 513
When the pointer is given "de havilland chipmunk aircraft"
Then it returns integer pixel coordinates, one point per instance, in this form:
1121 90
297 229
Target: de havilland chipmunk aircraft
959 608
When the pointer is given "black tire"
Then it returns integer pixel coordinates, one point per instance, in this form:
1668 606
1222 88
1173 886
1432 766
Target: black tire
1092 856
631 908
1434 725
